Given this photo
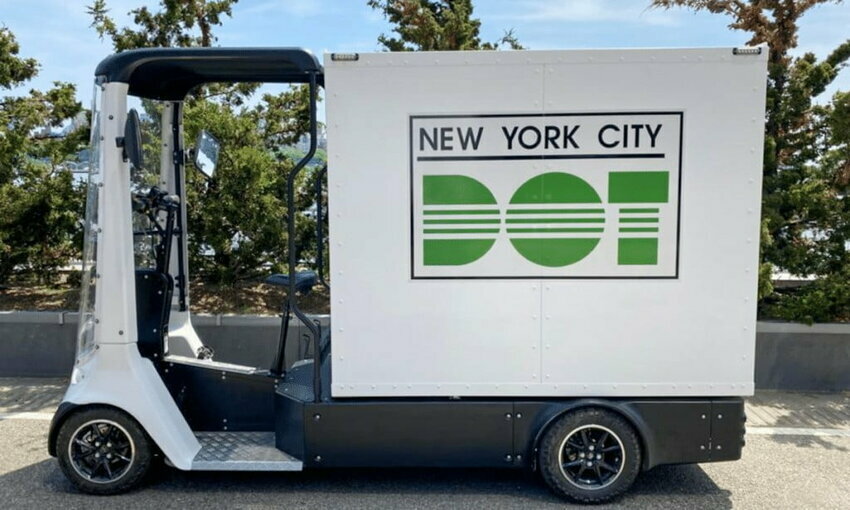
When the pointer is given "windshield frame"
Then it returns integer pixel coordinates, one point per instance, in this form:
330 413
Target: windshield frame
87 321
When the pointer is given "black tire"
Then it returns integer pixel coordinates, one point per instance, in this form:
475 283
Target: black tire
599 462
103 451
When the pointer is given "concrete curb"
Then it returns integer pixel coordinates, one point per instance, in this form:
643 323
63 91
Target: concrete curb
789 356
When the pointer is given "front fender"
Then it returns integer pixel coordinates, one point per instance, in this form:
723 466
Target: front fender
116 375
62 412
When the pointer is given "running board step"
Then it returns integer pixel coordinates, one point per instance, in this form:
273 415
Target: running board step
241 451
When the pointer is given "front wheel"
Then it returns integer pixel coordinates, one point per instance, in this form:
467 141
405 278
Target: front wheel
103 451
590 455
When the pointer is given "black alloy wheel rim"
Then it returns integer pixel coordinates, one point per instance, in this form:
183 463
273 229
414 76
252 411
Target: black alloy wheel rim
101 451
591 457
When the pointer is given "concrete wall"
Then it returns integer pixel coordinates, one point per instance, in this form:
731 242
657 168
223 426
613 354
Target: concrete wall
42 344
798 357
38 344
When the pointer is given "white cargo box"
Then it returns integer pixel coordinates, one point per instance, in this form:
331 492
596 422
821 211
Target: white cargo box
545 223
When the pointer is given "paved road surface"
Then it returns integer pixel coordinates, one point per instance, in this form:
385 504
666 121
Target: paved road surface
797 456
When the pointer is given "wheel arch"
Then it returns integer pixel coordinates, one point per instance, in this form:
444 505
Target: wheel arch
117 376
622 409
65 410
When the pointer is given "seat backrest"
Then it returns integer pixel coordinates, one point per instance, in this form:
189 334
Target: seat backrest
153 307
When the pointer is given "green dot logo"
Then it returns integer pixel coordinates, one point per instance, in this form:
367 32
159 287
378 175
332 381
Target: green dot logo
460 220
555 219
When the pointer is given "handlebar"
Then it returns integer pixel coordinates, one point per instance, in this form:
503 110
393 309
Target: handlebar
155 200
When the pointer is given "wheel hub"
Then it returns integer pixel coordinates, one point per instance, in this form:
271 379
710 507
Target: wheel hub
101 451
591 457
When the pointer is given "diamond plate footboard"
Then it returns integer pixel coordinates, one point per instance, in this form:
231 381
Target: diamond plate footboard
241 451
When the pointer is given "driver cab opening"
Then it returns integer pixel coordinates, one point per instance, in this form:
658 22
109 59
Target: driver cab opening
166 179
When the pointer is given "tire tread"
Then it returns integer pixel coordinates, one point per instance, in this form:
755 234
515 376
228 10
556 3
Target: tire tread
142 443
551 441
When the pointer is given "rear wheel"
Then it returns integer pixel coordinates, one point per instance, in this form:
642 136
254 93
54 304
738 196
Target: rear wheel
590 455
103 451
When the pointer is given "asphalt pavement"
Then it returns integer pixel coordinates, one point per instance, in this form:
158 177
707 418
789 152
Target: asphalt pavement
797 456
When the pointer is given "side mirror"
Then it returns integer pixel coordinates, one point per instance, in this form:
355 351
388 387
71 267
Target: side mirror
132 142
205 155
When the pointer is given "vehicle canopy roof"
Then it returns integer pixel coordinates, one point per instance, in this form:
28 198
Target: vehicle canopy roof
170 73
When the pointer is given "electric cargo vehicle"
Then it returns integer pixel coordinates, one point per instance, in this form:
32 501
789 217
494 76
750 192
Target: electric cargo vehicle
541 260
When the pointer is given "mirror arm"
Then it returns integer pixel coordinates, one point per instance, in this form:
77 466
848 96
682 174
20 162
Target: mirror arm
179 157
120 142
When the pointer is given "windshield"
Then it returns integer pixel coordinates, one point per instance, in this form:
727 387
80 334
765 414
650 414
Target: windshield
85 333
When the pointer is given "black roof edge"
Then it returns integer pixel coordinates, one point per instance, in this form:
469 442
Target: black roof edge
169 73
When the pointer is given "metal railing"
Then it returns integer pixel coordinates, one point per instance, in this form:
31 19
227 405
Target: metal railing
292 304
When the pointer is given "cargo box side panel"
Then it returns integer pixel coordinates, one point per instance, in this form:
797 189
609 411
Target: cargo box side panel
392 335
694 333
555 223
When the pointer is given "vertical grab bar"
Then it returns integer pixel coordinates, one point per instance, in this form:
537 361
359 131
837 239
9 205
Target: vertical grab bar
290 220
179 165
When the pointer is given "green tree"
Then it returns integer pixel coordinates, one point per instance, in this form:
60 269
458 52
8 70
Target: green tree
178 23
435 25
40 204
805 208
240 216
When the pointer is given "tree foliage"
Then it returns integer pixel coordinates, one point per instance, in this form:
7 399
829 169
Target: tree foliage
237 221
40 204
805 208
435 25
178 23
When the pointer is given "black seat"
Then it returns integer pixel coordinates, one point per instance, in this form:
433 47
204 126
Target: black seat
304 281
